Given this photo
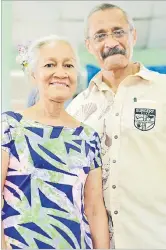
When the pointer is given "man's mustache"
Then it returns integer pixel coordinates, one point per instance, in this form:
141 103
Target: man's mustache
113 51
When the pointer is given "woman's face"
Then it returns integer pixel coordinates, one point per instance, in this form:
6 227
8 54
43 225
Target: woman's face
56 71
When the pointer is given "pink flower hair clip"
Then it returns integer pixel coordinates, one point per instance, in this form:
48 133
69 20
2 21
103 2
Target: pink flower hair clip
22 57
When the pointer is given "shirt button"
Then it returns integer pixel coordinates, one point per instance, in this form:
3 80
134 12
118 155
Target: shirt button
116 137
117 114
113 186
114 161
115 212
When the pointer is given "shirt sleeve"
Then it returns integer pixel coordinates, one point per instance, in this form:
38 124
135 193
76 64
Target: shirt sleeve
96 160
6 138
75 104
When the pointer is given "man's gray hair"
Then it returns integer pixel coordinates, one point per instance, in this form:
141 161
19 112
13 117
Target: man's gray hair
107 6
34 49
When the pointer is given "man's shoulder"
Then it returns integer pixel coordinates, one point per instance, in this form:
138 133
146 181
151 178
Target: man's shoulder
162 78
160 82
78 101
157 79
81 96
156 76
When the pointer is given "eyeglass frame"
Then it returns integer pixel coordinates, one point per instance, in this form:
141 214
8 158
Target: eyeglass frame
110 33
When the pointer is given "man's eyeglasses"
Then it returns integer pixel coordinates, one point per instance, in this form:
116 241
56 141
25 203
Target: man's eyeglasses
116 34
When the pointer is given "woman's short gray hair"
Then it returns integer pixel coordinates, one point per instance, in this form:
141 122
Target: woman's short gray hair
35 46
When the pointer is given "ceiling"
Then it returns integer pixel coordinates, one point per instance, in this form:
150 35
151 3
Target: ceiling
32 19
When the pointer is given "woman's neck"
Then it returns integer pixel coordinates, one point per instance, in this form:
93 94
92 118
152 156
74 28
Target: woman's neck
50 113
50 109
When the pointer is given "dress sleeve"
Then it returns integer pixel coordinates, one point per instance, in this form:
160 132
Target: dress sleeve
6 138
96 160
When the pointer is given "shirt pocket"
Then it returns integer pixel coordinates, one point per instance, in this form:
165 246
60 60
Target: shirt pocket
143 115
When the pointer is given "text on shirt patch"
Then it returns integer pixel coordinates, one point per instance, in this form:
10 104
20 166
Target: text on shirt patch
144 118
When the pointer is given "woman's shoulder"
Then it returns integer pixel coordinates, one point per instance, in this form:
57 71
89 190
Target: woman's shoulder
89 131
10 121
11 116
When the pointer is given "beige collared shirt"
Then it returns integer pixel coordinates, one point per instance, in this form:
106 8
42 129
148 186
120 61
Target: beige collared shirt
132 127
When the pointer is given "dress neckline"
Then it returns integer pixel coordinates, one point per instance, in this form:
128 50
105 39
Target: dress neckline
31 121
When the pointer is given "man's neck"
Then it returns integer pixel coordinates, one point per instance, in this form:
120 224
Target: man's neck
115 77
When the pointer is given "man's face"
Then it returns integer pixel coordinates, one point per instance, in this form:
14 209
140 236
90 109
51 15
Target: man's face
111 39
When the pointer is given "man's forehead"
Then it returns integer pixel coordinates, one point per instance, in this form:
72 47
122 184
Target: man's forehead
106 19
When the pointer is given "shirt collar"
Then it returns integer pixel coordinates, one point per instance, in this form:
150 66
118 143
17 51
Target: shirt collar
144 73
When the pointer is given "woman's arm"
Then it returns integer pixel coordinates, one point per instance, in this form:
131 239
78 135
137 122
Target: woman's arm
95 210
5 163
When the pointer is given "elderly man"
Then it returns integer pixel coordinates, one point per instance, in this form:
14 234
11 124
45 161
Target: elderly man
126 104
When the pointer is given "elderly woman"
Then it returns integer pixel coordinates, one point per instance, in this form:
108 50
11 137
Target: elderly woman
51 165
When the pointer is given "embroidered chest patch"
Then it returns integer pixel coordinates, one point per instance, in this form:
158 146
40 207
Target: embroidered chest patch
144 118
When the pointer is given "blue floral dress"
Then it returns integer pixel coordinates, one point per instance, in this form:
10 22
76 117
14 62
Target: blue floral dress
44 188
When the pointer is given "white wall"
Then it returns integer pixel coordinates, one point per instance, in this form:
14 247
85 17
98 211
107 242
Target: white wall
37 18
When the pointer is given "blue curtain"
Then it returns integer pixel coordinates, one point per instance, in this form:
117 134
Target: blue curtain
160 69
